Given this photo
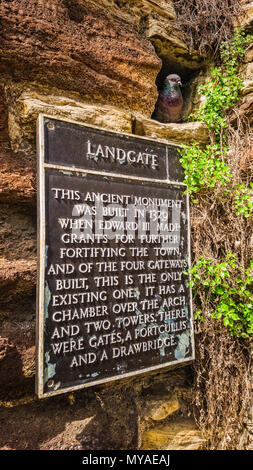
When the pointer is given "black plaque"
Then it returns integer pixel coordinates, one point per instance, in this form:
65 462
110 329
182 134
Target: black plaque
99 150
113 291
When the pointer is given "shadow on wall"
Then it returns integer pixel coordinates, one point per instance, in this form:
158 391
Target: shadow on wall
88 423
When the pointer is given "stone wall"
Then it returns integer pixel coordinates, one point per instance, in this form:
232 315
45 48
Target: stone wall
97 62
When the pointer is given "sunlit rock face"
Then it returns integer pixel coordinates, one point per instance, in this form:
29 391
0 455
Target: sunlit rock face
86 50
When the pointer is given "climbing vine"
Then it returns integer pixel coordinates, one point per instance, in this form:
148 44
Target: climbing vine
207 167
227 286
204 167
243 200
223 90
219 177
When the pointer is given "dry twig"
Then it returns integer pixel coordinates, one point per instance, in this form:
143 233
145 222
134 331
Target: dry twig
207 23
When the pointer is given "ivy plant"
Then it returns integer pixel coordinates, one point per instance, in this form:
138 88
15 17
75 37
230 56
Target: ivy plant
243 200
204 167
221 94
229 288
223 90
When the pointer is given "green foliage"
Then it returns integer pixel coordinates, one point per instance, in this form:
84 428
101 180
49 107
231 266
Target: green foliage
231 54
229 288
204 167
221 94
223 90
243 200
224 288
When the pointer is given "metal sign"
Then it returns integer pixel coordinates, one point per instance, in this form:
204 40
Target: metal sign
113 249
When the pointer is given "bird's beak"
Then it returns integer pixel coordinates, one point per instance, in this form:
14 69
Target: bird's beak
179 83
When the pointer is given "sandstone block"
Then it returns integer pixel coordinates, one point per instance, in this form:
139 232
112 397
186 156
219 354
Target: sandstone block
160 409
170 44
248 57
17 279
23 115
247 19
248 79
135 10
85 50
17 178
181 434
184 133
166 7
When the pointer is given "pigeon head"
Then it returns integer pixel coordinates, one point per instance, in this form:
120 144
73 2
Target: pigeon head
173 80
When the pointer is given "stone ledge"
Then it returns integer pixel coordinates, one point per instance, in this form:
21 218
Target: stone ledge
102 116
185 133
23 116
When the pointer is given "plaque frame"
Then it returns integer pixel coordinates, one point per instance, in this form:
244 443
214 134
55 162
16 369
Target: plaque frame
42 166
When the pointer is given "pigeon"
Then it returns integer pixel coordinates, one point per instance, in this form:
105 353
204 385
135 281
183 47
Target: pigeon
170 101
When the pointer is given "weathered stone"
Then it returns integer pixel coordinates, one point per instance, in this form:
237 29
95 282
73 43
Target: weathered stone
161 408
248 79
17 180
79 422
18 236
17 278
246 21
197 99
170 44
10 369
181 434
24 112
30 104
5 348
248 57
157 21
166 7
81 49
184 133
17 361
4 138
135 11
